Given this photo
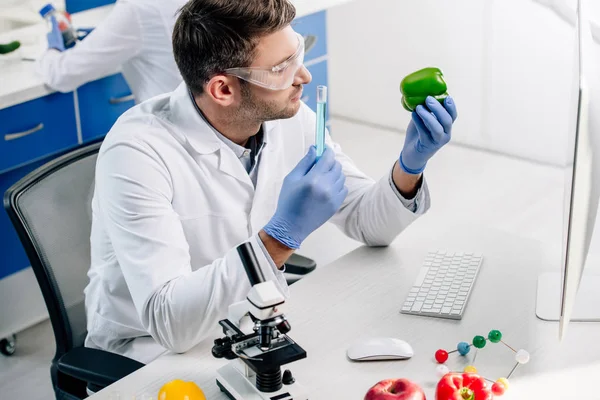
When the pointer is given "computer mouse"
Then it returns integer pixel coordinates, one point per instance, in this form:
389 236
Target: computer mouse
383 348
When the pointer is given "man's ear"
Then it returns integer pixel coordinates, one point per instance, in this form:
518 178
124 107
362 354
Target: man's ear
223 89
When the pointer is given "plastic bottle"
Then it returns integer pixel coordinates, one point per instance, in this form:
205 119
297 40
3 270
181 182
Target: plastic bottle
68 32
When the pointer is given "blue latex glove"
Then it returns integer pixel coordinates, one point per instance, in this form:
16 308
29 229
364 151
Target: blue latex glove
55 38
311 194
427 133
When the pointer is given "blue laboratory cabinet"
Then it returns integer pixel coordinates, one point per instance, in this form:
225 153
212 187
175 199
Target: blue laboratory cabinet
73 6
34 132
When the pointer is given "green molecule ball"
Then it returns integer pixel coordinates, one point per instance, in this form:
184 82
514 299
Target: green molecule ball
495 336
479 342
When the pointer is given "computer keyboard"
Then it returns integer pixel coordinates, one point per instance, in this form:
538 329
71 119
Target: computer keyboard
444 284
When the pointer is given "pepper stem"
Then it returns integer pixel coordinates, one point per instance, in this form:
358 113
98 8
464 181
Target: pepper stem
467 394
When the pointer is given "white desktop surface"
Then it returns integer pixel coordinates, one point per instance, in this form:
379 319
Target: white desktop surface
360 296
513 212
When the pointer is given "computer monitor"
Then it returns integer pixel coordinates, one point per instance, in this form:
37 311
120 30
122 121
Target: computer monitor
574 293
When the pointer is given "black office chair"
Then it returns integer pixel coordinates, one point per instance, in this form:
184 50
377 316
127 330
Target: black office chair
51 211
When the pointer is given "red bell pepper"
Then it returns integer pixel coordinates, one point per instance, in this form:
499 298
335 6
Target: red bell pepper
463 386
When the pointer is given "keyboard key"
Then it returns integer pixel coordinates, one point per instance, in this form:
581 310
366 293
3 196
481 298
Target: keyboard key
455 312
406 308
416 306
429 302
421 276
446 310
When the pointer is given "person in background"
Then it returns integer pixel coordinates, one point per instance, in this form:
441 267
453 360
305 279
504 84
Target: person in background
135 36
228 158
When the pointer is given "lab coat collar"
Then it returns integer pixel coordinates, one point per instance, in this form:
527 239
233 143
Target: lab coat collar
198 133
185 117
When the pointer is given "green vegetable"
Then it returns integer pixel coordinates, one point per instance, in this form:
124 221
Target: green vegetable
9 47
417 86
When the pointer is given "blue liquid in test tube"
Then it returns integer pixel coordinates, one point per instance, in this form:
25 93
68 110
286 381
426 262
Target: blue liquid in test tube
321 112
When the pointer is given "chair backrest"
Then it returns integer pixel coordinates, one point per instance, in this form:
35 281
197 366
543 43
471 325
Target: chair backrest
51 210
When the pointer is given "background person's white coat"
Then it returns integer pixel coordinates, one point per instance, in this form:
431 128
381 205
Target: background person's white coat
136 36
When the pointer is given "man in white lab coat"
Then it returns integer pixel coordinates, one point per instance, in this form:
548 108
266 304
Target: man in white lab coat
227 158
135 36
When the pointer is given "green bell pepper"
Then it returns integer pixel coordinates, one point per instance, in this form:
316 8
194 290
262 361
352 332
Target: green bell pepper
9 47
417 86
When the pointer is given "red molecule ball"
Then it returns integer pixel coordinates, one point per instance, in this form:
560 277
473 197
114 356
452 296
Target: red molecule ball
441 356
498 389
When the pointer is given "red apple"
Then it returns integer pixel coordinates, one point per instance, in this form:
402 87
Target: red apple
395 389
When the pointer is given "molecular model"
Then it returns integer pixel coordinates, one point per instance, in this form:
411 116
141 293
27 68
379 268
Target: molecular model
500 386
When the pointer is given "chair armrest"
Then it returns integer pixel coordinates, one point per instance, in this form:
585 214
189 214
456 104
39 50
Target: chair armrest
98 367
299 265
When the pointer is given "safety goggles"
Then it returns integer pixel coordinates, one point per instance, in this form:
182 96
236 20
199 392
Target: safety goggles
278 77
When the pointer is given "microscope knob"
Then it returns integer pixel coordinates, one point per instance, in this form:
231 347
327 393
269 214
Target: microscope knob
218 352
284 327
287 378
222 348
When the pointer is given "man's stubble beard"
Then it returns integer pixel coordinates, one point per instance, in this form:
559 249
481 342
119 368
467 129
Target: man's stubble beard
257 110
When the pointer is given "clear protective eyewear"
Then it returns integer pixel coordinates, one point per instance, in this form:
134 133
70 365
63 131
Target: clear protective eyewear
279 77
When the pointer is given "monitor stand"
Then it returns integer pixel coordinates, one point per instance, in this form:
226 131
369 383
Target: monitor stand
587 301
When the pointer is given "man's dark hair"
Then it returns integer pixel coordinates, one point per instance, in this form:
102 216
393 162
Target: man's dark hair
213 35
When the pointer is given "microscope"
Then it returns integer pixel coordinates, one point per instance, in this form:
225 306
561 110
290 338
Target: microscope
256 342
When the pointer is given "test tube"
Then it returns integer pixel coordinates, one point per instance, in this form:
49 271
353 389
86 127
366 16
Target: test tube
321 113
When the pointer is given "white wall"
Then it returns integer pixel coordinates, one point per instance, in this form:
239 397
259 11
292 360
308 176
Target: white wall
508 64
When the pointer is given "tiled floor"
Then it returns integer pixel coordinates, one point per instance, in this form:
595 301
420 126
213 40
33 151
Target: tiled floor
26 374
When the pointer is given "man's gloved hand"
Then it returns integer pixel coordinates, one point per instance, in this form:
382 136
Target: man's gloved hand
55 38
427 132
311 194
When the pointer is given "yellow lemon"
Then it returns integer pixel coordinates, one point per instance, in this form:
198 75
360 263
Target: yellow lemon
180 390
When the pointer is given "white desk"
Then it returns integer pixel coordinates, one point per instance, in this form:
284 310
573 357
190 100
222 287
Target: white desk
360 296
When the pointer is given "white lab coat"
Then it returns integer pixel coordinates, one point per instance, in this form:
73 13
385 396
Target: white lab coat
171 203
136 35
